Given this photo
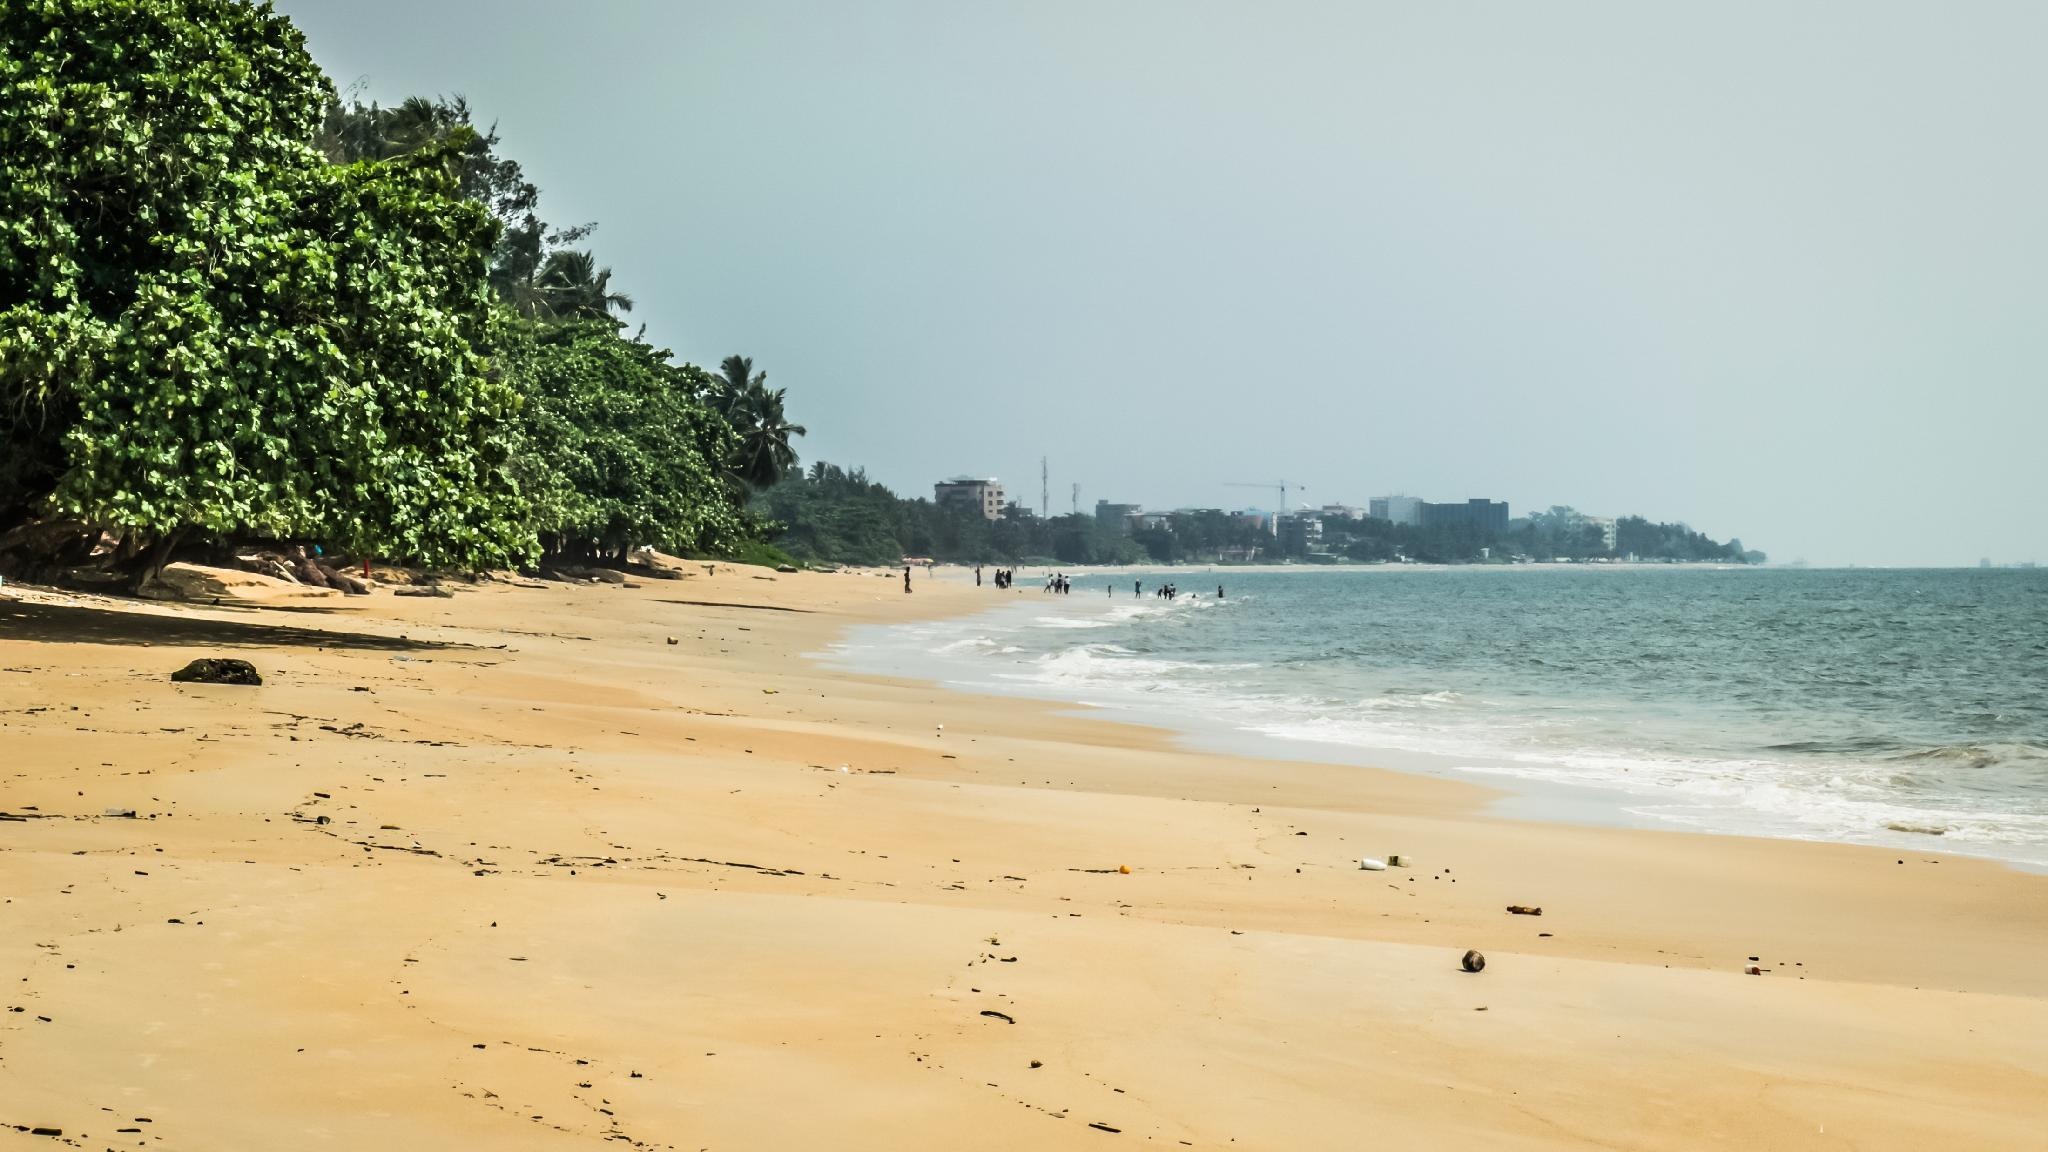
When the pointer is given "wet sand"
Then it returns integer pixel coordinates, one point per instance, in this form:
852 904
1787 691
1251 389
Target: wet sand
579 887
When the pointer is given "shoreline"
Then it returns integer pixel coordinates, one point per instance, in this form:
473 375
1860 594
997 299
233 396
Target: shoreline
905 650
772 905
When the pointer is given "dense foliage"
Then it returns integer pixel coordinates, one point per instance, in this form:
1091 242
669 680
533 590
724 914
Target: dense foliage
1556 534
616 451
205 325
1635 536
233 306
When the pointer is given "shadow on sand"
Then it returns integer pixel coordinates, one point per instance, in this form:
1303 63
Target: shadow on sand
79 624
728 604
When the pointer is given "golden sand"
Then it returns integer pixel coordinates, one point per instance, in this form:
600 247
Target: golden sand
577 887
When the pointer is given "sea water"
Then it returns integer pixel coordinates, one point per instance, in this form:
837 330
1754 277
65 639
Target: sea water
1906 708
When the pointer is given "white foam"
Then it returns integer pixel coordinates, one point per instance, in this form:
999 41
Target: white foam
1073 622
1611 747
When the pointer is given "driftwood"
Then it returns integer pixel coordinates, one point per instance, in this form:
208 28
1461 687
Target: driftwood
336 578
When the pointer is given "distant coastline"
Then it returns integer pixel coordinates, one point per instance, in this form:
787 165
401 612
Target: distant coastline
833 515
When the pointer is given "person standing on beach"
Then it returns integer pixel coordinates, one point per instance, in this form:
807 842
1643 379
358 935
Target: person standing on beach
906 579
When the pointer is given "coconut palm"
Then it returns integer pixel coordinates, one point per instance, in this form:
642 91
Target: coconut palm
419 122
571 286
755 411
735 376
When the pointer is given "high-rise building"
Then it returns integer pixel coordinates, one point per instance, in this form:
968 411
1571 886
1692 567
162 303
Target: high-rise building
1397 509
1489 515
983 496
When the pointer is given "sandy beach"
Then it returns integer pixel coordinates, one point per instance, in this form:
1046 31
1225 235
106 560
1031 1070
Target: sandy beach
512 870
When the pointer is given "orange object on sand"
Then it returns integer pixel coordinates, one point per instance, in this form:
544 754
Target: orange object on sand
1124 868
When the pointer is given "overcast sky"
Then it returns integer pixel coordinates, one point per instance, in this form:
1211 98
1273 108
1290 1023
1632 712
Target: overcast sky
1778 270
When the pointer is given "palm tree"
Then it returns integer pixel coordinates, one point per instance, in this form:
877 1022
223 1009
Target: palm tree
570 286
735 376
417 123
755 412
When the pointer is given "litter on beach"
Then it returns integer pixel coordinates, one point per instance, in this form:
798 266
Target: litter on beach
1372 864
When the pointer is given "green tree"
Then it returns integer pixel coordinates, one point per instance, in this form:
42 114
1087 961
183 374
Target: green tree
570 286
764 454
615 452
352 131
206 325
736 376
755 412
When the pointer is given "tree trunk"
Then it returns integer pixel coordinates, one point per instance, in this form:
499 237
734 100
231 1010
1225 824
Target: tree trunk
147 565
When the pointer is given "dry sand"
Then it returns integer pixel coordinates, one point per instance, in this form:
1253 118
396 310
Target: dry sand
579 887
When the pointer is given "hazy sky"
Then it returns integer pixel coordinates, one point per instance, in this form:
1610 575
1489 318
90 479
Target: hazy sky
1779 270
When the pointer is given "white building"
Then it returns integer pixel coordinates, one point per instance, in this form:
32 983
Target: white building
984 496
1606 526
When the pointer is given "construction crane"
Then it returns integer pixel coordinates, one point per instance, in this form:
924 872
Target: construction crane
1282 486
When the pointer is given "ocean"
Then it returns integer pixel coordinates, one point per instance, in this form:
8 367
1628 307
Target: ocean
1897 707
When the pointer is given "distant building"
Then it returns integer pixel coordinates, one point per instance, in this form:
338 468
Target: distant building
1396 509
1300 532
1488 515
1343 512
983 496
1117 516
1252 516
1606 526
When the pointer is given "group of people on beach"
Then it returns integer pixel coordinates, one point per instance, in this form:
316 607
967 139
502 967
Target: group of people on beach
1164 591
1057 583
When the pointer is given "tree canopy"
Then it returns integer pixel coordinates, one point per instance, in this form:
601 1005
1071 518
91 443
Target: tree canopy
234 305
616 453
205 324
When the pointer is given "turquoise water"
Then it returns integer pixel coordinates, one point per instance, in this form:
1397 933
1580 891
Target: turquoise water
1863 706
